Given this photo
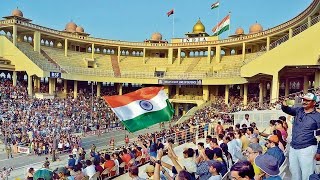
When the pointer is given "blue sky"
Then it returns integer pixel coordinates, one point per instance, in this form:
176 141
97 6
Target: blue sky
136 20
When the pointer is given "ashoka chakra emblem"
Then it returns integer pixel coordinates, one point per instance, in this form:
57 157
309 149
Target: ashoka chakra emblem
146 105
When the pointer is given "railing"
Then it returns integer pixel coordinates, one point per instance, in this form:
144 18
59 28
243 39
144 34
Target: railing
285 38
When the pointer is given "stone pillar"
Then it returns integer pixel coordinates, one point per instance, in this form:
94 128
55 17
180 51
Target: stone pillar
14 78
37 83
179 56
216 92
290 33
98 89
177 91
144 56
243 51
205 92
309 21
241 89
260 94
268 43
305 84
185 109
226 94
36 41
286 91
176 109
65 86
317 79
120 88
14 34
170 55
166 90
245 94
52 85
92 51
264 88
75 89
30 90
275 88
209 55
218 54
66 47
119 53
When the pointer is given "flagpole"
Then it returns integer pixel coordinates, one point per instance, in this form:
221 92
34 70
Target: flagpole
218 16
173 23
229 23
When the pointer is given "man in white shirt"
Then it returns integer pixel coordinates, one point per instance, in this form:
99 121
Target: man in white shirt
245 121
89 170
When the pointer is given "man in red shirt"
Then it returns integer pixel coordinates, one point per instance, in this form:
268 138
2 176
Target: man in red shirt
125 156
109 164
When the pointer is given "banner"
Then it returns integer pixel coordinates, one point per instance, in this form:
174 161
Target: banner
179 82
24 150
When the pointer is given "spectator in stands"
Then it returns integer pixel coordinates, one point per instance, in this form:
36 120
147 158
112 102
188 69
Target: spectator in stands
269 165
219 128
208 141
109 164
134 173
71 162
284 122
274 150
282 143
150 171
90 170
188 161
233 147
215 169
279 126
218 156
214 143
227 155
30 174
202 166
244 139
251 153
245 121
220 139
125 156
242 170
303 148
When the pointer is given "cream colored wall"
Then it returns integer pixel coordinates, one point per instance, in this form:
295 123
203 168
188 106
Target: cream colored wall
19 59
303 49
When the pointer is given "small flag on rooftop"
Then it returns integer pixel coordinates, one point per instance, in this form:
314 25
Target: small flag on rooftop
170 12
215 5
142 108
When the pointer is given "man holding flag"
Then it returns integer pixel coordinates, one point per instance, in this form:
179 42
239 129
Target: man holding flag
142 108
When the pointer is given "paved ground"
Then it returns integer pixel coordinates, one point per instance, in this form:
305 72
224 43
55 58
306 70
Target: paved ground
21 162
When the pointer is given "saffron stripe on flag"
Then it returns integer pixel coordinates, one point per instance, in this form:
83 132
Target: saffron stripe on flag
141 94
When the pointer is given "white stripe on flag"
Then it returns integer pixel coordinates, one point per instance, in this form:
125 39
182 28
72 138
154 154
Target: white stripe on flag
134 109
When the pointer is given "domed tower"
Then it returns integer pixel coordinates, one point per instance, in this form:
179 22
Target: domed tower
198 30
71 27
239 31
156 38
255 28
17 14
79 29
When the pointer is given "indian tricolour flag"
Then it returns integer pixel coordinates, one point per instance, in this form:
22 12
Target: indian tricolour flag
215 5
223 26
142 108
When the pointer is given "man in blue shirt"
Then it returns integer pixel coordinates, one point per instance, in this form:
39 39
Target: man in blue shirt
274 150
71 162
303 147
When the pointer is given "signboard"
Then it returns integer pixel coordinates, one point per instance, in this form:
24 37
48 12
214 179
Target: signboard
179 82
195 39
55 75
24 150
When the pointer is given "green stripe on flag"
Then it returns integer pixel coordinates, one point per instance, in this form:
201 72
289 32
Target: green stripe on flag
148 119
226 28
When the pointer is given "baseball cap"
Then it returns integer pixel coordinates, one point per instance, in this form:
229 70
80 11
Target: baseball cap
149 169
273 138
310 97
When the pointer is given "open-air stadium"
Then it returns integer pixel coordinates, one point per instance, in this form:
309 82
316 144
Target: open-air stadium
224 92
